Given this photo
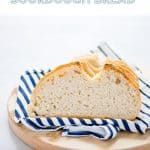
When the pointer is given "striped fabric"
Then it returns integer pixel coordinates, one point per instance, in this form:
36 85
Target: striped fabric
103 129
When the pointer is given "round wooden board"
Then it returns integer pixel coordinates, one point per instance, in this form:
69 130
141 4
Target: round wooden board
54 140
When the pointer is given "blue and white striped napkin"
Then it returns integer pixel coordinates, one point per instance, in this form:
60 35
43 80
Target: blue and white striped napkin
103 129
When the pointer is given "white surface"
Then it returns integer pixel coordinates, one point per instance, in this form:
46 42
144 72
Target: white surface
42 42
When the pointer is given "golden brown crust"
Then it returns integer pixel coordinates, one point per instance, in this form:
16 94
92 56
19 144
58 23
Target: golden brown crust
91 68
123 68
47 75
117 65
88 64
60 67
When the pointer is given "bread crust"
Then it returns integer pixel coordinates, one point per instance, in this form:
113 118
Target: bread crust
116 65
121 67
91 71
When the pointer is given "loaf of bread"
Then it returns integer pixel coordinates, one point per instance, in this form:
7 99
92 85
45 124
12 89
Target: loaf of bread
85 88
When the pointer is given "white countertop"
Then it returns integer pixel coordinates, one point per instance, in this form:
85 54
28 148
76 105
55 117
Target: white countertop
42 42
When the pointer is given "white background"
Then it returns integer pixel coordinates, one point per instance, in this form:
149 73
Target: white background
140 7
42 42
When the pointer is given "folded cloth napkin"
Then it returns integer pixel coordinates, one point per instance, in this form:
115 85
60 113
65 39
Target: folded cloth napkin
103 129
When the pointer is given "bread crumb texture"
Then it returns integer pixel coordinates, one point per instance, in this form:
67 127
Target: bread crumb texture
84 88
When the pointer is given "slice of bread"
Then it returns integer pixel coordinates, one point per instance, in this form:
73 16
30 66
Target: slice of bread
84 88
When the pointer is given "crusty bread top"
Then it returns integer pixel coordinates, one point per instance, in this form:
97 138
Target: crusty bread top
123 68
90 65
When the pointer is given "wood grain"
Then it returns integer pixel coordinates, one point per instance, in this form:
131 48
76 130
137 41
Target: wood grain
54 140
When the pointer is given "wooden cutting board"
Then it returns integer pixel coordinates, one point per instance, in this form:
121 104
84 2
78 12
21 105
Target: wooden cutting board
54 140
